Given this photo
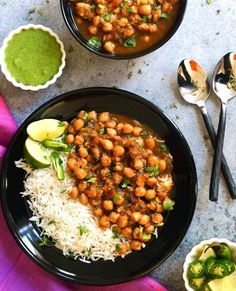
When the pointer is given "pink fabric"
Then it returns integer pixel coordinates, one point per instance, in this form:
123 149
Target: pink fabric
17 271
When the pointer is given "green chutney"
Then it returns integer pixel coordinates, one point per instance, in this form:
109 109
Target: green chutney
33 57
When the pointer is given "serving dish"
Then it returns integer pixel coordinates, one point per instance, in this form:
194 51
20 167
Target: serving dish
136 264
196 251
3 64
69 17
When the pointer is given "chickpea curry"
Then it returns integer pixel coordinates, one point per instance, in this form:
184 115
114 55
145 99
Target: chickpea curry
124 26
123 173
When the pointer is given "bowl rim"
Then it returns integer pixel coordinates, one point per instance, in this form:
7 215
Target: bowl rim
65 9
193 253
45 106
4 65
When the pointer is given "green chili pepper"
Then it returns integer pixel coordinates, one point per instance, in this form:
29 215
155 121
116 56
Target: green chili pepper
229 264
197 283
222 251
218 270
196 269
57 164
55 145
209 263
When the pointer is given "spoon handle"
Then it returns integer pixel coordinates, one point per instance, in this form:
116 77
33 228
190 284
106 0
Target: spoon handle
215 173
224 166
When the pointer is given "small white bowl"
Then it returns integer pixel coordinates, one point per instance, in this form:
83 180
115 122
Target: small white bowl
4 66
196 251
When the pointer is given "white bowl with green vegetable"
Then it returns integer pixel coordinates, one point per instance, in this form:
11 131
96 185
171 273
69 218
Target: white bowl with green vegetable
211 266
32 57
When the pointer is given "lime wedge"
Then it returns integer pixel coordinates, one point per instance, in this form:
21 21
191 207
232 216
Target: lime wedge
227 283
36 154
45 129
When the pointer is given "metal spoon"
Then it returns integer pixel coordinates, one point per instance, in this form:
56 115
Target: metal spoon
195 89
224 86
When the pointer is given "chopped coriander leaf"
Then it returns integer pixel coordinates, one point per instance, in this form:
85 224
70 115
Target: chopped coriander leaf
93 6
107 17
164 15
85 116
61 124
140 207
116 198
125 183
82 229
129 135
153 171
209 1
45 242
144 19
92 180
95 41
164 147
168 204
116 234
102 130
158 7
70 255
51 222
90 252
130 42
117 248
129 9
144 133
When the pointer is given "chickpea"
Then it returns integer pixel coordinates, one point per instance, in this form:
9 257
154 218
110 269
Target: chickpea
97 212
96 153
135 245
119 126
129 172
149 228
117 178
83 153
70 129
138 164
110 124
118 151
107 205
96 20
140 191
107 144
79 140
70 138
82 163
74 192
111 132
83 199
162 165
82 186
122 249
78 20
145 9
159 208
144 219
128 32
152 205
152 28
127 232
123 221
119 167
72 164
162 195
150 194
103 117
116 228
92 115
157 218
92 191
127 128
151 182
123 22
150 143
81 114
140 181
80 173
118 199
137 131
165 7
104 222
78 124
92 29
114 217
105 160
101 9
135 216
109 46
153 161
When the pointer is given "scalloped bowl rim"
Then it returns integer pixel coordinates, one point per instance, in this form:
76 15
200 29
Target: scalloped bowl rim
195 251
4 66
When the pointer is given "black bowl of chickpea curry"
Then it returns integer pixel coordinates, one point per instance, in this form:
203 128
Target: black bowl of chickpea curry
133 169
123 29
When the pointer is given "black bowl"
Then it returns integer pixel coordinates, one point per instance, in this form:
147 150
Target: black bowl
136 264
68 14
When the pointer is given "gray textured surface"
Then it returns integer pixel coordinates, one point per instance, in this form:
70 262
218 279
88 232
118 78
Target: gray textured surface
206 34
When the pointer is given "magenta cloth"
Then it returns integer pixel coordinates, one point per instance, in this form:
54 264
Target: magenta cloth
17 271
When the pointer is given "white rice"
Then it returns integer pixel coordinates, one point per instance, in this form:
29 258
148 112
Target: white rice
60 217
